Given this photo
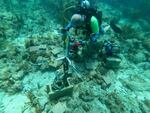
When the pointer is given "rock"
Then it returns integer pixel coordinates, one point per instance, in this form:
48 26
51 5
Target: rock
91 64
73 103
41 60
144 65
5 74
102 70
3 55
43 101
33 48
18 76
93 72
107 82
86 97
42 47
112 62
146 44
56 50
22 65
17 86
15 103
95 91
78 110
59 108
107 79
139 57
136 86
86 107
93 75
35 36
45 67
28 43
53 65
8 25
147 103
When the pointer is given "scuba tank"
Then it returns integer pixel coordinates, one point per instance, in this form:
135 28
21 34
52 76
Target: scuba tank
94 25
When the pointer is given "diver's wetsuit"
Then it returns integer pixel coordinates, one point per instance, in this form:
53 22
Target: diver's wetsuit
88 14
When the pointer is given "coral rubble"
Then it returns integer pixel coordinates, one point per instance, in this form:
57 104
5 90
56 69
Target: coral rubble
30 61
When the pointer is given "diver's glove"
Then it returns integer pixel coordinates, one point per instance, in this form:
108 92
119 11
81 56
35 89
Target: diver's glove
70 25
101 30
94 37
64 30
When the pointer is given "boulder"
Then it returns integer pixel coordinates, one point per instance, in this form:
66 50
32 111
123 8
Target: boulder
56 50
54 65
112 62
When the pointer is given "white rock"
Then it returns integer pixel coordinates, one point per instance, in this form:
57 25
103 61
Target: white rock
15 103
59 108
42 47
57 50
112 62
33 48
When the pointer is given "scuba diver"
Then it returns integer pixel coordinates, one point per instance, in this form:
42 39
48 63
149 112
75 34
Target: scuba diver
87 17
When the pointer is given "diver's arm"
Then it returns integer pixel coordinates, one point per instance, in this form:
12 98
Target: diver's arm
70 25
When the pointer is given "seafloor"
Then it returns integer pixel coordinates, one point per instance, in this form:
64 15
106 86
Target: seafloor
31 41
